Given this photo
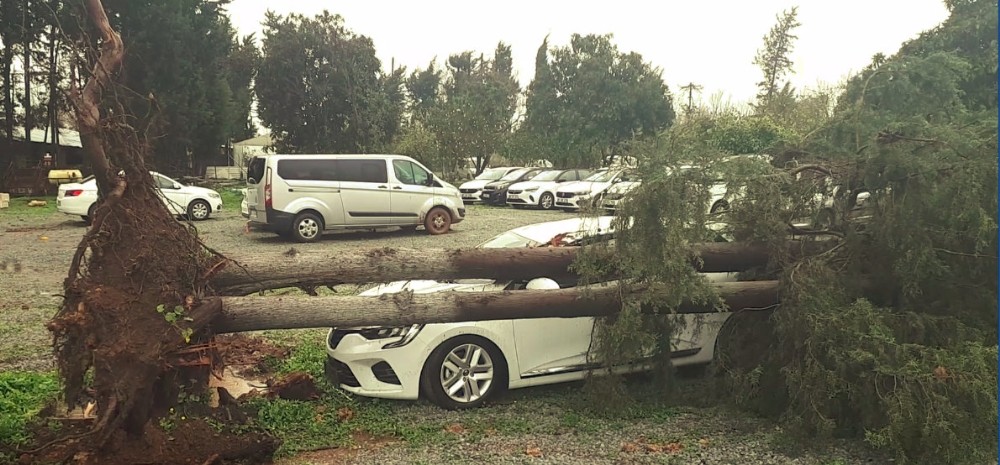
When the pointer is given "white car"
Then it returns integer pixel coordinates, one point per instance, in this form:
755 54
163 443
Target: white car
576 195
615 194
472 190
197 203
244 205
463 365
541 190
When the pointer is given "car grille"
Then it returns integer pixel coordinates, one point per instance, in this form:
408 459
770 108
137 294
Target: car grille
512 191
510 200
344 374
384 373
565 195
468 191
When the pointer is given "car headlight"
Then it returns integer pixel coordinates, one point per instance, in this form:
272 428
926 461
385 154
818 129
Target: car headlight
404 333
531 189
214 195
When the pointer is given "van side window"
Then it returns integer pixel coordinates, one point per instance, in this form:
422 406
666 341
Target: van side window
408 172
307 170
362 171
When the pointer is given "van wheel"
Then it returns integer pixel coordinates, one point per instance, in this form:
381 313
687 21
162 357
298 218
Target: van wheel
464 372
438 221
307 227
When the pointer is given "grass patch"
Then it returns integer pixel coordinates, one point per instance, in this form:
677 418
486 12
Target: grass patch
231 198
23 395
19 206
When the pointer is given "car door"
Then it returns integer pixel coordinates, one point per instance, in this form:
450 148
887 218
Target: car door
364 189
409 191
173 196
298 184
548 346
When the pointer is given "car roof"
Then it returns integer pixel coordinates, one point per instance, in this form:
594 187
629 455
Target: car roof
544 232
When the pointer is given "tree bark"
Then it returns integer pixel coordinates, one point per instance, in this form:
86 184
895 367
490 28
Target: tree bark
257 272
406 308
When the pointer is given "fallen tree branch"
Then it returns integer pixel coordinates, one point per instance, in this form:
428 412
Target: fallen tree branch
406 308
257 272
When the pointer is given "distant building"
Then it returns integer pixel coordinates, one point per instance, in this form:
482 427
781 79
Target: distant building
242 151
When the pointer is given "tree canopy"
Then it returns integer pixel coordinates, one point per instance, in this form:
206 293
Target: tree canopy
588 100
321 89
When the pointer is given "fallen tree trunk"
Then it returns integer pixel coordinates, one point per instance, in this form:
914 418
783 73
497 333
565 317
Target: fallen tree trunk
259 272
260 313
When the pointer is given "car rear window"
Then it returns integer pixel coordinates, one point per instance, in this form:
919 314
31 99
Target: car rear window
255 170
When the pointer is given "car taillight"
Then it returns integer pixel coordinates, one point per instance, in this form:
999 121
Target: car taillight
74 192
267 190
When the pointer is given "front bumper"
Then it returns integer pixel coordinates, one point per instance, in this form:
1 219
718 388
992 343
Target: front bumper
363 367
494 197
471 196
522 197
572 203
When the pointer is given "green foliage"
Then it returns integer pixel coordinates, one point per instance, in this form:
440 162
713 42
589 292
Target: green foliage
587 101
181 88
473 117
23 395
176 317
891 334
775 62
321 88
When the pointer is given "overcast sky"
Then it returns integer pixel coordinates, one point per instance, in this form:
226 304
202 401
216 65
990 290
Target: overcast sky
711 43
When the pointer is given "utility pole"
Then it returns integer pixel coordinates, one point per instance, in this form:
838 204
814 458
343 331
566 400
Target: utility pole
691 88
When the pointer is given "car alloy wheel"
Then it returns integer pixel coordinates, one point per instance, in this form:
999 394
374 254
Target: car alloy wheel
464 372
199 210
546 201
307 227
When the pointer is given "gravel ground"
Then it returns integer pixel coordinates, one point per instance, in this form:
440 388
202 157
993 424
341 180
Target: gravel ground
35 252
534 425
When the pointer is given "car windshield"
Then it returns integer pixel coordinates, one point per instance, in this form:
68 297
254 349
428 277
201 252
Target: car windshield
508 240
491 174
513 175
602 176
549 175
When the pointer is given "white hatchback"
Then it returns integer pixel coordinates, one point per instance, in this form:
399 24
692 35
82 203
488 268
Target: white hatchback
197 203
463 365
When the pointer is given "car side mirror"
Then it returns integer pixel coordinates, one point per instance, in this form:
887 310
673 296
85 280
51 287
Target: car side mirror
177 185
429 182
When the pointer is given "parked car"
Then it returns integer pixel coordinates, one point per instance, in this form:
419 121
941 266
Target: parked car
495 193
580 194
244 206
463 365
472 190
197 203
541 189
617 193
301 196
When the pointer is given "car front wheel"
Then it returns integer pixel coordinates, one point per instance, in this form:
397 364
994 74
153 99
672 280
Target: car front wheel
199 210
464 372
547 201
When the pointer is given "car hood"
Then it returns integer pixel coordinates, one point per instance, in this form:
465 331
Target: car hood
532 184
624 187
200 190
583 186
429 286
475 184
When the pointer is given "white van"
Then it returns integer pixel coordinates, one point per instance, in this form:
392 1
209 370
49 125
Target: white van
300 196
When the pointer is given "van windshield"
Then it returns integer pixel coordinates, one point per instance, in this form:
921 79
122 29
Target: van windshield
255 170
491 174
